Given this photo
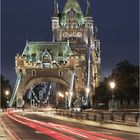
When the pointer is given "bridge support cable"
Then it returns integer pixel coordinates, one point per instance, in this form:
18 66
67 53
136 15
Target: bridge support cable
48 91
87 88
33 93
19 77
71 85
88 61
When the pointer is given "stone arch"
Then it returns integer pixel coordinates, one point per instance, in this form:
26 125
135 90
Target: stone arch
38 80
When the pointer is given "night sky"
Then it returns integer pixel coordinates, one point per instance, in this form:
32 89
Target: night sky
117 22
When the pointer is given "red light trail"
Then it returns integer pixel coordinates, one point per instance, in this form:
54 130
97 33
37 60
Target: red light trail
46 128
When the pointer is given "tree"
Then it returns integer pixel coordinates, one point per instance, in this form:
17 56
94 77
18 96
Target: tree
5 85
102 95
126 76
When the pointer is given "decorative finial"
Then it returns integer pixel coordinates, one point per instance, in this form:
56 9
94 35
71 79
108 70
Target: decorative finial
57 8
56 11
26 42
88 8
96 31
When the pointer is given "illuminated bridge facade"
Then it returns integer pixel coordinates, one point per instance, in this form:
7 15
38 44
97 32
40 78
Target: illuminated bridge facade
69 66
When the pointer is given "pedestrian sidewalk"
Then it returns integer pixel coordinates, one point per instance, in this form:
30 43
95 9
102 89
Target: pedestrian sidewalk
119 127
5 134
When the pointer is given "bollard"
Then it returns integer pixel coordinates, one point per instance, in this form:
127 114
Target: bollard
69 114
84 116
102 116
60 112
95 117
136 117
101 119
123 117
87 116
111 117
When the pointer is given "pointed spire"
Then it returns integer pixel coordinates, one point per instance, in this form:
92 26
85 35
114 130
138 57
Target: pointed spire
88 8
96 31
72 4
55 10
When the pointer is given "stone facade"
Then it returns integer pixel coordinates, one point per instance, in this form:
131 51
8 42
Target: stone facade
73 58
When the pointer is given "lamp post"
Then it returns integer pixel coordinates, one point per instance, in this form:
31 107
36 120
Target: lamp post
7 92
86 97
112 86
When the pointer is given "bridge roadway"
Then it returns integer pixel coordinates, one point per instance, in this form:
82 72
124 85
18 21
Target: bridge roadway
24 127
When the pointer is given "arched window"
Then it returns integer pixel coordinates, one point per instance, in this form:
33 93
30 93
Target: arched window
33 73
60 73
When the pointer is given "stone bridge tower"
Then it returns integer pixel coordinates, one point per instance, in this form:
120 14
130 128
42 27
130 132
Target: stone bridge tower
72 58
77 28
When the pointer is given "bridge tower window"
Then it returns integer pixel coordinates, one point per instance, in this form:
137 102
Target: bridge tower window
33 73
60 73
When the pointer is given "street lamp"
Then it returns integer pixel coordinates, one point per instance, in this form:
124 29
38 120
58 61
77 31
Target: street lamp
7 92
61 95
87 89
112 86
66 93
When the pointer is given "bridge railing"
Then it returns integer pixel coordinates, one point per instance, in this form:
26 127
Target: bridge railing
126 118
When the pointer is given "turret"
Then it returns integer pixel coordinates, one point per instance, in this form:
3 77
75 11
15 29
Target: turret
55 9
55 21
88 8
88 24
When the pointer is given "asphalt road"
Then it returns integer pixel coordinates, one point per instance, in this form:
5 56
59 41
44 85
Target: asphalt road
49 129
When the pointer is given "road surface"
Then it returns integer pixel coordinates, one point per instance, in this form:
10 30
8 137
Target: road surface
36 127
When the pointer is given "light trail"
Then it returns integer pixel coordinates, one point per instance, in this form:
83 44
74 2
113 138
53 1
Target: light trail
84 135
62 128
89 132
41 129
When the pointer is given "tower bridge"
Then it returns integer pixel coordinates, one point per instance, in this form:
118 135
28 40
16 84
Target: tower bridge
70 63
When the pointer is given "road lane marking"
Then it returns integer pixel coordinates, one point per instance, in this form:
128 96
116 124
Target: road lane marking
10 132
38 132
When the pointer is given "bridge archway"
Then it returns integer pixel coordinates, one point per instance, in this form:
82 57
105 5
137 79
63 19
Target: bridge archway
51 94
39 80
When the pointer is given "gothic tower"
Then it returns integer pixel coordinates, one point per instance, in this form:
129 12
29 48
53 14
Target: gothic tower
77 28
71 62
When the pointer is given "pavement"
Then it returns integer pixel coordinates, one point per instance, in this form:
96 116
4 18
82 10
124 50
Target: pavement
5 133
